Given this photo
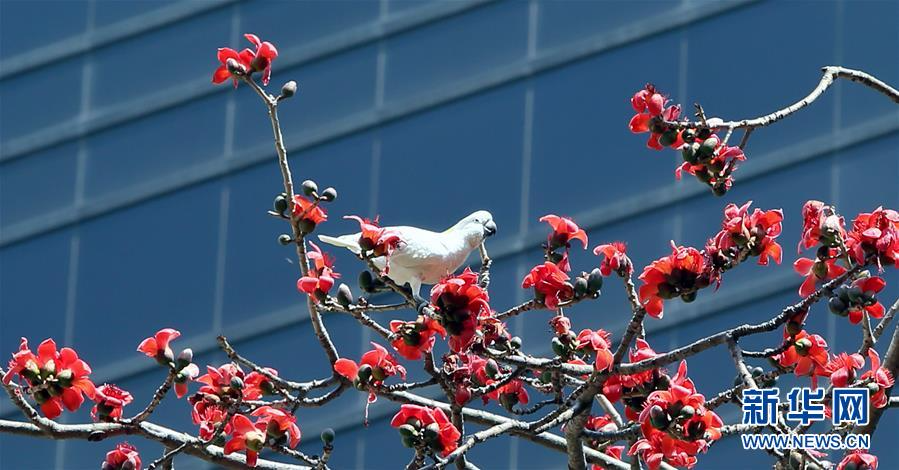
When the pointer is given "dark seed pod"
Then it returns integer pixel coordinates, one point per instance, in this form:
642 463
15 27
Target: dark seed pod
280 204
306 226
284 239
328 436
580 287
366 281
837 306
594 281
668 137
658 418
289 89
707 149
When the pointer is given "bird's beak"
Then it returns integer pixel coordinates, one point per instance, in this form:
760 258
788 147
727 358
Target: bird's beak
489 228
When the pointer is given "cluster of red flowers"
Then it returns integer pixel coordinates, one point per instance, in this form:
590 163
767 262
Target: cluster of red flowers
875 234
307 213
705 155
373 368
675 424
614 259
158 347
428 427
633 389
551 283
687 270
55 379
414 338
272 425
487 372
246 61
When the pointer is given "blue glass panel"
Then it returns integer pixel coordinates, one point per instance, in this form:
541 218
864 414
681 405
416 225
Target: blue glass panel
454 50
148 268
34 281
24 184
160 146
112 11
166 57
25 25
292 24
867 176
568 21
330 89
580 124
58 87
869 24
797 63
469 147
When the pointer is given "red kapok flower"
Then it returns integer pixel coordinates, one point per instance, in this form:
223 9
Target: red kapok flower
259 60
815 272
208 415
808 353
676 274
858 460
60 369
869 286
561 325
376 240
550 284
256 385
221 381
186 374
599 343
842 367
820 224
875 233
110 400
421 417
755 231
415 337
616 385
879 376
157 346
278 423
715 168
308 211
321 275
375 366
123 457
458 302
564 230
247 437
616 259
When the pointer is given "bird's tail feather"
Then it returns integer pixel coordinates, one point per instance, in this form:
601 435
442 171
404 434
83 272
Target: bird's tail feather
350 242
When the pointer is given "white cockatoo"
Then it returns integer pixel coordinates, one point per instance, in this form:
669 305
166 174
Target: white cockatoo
423 256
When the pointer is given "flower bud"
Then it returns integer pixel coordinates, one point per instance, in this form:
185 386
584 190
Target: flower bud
668 137
688 297
546 376
431 432
255 440
802 346
820 269
594 281
366 281
873 387
48 369
580 287
707 149
658 418
309 187
364 373
407 430
687 412
378 374
508 400
280 204
289 89
515 342
558 347
719 190
184 358
306 226
235 67
284 239
329 194
688 135
344 295
837 306
64 378
237 382
491 369
328 436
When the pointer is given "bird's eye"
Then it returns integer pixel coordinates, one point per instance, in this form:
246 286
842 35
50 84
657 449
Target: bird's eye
477 220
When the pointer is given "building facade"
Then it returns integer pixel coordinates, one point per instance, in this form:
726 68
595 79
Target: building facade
133 192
